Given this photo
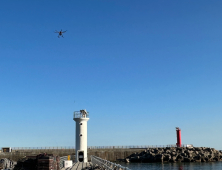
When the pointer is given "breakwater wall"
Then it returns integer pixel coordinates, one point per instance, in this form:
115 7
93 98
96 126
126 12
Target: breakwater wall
165 154
108 154
182 154
16 155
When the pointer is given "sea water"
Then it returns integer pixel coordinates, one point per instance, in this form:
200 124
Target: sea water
175 166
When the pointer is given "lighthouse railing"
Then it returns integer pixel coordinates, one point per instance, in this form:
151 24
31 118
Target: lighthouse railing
80 115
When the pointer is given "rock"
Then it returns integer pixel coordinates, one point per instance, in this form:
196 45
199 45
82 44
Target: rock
127 160
6 163
188 151
179 148
149 158
196 152
197 158
203 159
198 148
187 159
217 158
207 149
207 159
193 154
145 160
183 154
173 159
179 160
159 158
179 157
210 156
173 153
135 159
167 157
160 149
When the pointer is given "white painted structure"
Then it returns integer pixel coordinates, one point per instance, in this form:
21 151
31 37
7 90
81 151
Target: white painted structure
6 149
81 118
67 163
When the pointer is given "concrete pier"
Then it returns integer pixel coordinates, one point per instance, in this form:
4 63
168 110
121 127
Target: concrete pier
80 166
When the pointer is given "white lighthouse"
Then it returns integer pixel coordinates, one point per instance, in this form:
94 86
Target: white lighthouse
81 117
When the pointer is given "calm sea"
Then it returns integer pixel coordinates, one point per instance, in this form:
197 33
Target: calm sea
174 166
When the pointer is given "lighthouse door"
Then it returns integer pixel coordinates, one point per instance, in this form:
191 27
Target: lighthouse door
81 156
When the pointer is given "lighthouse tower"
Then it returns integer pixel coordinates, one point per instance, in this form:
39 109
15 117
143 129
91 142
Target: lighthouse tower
179 141
81 117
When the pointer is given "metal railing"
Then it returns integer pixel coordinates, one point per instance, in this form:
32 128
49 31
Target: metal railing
136 146
46 147
78 114
106 165
61 148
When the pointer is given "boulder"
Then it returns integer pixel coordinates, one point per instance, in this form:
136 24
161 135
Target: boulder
198 148
186 159
183 154
166 157
197 158
135 159
173 153
173 159
127 160
193 154
203 159
217 158
179 157
159 158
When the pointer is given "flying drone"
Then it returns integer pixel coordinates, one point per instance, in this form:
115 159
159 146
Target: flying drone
60 33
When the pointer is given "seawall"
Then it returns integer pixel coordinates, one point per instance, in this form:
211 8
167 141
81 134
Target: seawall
167 154
108 154
182 154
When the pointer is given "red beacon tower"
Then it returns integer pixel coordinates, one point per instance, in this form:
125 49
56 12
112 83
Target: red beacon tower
179 141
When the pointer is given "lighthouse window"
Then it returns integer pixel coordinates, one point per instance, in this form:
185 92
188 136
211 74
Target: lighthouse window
80 135
80 123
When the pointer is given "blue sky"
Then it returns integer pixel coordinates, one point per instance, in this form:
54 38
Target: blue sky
140 68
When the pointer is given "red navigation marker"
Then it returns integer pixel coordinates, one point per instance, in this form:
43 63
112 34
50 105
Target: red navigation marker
179 141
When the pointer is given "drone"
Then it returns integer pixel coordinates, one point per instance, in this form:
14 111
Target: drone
60 33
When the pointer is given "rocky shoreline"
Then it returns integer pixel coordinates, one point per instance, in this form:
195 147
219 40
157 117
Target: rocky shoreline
180 154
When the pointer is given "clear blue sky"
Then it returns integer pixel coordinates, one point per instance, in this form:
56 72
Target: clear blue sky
140 68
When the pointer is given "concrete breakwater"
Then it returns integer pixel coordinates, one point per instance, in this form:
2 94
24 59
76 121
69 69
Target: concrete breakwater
183 154
166 154
17 155
108 154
